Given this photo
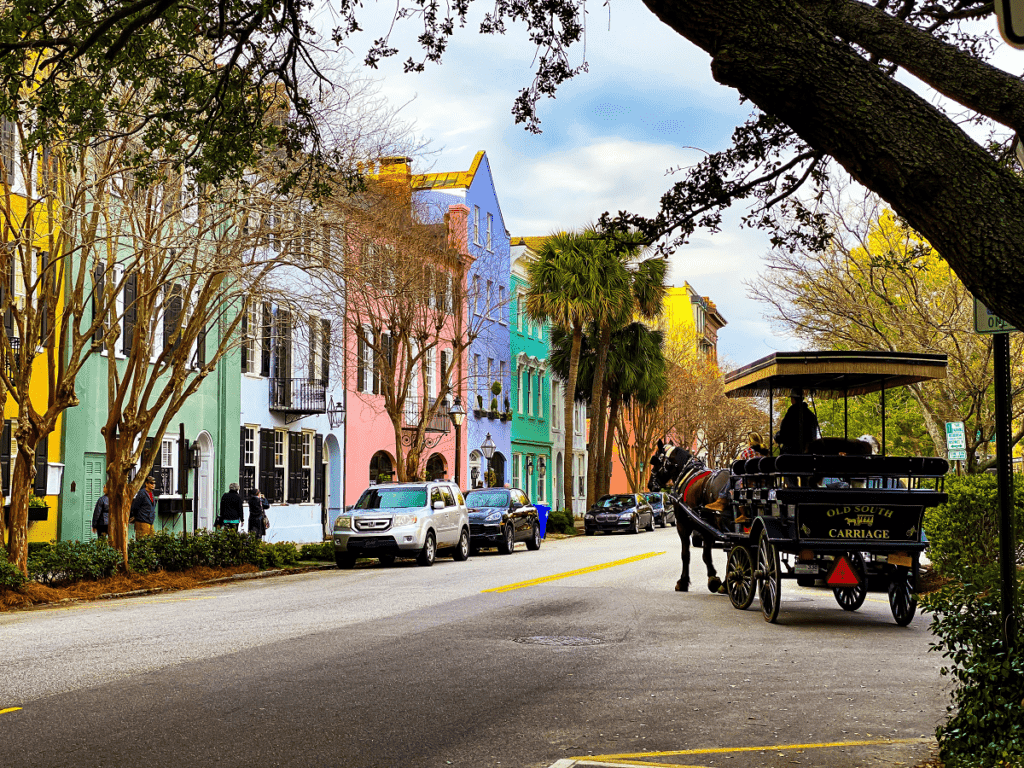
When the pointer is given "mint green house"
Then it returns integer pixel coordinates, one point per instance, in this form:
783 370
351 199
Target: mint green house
533 469
210 420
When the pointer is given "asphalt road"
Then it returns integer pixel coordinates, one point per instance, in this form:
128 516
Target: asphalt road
424 667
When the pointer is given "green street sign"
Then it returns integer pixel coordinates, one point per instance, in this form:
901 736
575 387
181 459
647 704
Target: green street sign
986 322
958 455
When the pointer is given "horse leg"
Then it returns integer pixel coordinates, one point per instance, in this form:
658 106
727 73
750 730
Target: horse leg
684 529
714 583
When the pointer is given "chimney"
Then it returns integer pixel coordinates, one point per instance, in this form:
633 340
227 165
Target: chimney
458 227
396 170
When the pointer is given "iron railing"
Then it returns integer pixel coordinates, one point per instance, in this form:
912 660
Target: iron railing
298 395
413 411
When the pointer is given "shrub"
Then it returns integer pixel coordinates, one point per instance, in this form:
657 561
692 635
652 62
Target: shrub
986 723
561 521
11 576
323 550
963 533
63 562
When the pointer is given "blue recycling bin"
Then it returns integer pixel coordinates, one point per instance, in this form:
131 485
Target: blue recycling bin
542 513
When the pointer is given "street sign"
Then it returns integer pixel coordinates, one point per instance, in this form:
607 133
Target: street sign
958 455
1010 14
986 322
956 437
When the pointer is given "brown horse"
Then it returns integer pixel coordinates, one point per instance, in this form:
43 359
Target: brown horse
688 482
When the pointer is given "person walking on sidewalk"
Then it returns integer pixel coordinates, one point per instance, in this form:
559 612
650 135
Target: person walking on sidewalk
143 511
258 506
231 509
101 515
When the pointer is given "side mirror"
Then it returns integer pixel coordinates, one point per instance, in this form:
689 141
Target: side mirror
438 505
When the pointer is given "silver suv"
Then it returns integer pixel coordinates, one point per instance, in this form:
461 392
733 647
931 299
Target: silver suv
403 520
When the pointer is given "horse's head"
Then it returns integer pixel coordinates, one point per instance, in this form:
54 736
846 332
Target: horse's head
667 464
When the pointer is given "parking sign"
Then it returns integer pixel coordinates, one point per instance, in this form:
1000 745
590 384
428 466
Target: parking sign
956 436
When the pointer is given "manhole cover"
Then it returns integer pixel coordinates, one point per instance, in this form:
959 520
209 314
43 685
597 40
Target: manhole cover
559 640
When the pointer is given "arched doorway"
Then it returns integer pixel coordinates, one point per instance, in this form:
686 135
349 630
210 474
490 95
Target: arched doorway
335 499
476 476
498 465
437 467
382 468
204 486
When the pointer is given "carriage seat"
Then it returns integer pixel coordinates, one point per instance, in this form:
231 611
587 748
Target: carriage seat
835 446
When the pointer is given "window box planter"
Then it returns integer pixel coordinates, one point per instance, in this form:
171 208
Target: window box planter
38 513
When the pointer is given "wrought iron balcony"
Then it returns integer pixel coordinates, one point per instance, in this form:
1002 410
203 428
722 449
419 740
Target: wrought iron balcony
298 395
413 412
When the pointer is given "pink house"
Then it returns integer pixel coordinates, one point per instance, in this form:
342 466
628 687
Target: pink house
386 331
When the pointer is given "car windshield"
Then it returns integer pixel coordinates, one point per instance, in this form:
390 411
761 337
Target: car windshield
487 499
618 500
392 498
654 499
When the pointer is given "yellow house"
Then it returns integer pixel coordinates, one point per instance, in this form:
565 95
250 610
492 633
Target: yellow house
20 212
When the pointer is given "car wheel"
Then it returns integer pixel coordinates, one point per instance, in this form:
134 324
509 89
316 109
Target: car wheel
650 525
462 548
634 526
589 531
386 559
345 560
533 543
508 543
428 554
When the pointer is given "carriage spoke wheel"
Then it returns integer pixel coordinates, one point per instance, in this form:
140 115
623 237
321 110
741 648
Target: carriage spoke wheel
769 579
852 598
902 598
739 577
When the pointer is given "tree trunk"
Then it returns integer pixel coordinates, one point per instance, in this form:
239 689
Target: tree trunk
570 429
606 467
597 457
21 487
968 205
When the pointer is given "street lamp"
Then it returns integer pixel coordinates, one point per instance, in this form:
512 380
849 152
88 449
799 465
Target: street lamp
488 450
457 415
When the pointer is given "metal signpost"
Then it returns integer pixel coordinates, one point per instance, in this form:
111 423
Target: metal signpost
1004 463
956 441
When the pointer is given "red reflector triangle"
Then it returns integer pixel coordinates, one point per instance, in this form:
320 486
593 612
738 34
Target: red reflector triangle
842 574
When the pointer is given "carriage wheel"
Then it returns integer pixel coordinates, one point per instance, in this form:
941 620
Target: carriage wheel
852 598
902 598
739 577
769 579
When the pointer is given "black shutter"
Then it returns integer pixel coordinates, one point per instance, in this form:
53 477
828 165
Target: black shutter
201 347
172 317
265 338
267 472
318 469
131 291
295 467
39 484
97 300
245 337
325 352
158 468
183 468
360 362
5 457
241 460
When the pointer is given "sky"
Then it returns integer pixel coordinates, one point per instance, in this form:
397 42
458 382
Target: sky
647 104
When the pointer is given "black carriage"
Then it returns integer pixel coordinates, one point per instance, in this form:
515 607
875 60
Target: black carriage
829 513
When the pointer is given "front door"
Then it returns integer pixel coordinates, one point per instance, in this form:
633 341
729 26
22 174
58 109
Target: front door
204 487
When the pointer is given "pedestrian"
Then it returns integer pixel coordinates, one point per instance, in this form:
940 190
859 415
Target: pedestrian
799 426
258 506
101 515
232 512
143 511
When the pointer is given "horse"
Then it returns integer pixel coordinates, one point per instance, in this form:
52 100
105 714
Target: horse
696 486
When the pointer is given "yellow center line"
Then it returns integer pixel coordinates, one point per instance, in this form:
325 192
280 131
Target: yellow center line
567 574
769 748
9 709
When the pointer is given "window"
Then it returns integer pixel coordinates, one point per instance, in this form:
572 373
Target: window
307 452
364 361
476 224
502 309
539 409
446 370
449 499
490 299
528 378
503 380
249 447
515 470
476 295
431 363
521 380
474 375
556 398
540 480
251 333
279 447
490 221
490 378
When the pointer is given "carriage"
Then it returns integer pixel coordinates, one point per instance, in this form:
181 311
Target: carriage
836 512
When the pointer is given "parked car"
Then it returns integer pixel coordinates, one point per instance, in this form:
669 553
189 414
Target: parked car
403 520
499 517
664 512
619 512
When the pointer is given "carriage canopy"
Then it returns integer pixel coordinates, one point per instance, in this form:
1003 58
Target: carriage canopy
833 374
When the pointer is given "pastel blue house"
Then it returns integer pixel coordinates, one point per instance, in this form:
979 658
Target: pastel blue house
487 367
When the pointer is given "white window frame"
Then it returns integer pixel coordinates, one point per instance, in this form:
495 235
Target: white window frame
368 362
169 460
280 452
249 453
529 392
502 309
490 223
489 305
476 224
307 460
516 476
431 363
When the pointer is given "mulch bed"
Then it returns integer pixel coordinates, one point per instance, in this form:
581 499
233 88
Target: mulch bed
32 595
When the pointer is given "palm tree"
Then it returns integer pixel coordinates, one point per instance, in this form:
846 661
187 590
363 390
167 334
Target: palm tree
630 285
564 290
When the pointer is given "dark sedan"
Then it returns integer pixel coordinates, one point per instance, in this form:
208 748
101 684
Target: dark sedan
619 512
499 517
664 512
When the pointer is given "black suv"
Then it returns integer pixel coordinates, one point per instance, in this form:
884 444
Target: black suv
499 517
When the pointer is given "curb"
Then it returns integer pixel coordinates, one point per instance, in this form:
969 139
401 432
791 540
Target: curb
219 580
